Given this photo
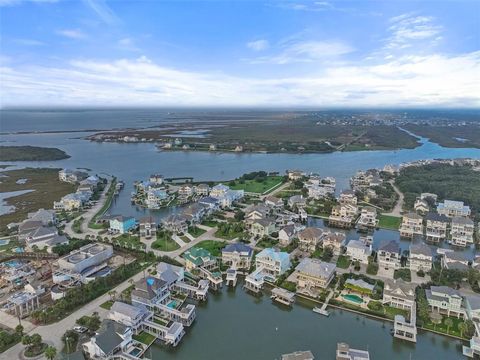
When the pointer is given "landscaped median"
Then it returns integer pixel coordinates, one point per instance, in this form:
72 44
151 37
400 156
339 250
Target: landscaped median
105 207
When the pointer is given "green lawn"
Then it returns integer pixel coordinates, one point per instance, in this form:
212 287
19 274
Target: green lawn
185 239
144 338
343 262
196 231
254 186
266 243
443 328
212 246
210 223
165 244
107 305
389 222
390 312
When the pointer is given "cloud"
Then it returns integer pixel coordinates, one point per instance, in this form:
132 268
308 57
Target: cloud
409 28
72 33
431 80
103 11
303 51
305 5
28 42
127 44
258 45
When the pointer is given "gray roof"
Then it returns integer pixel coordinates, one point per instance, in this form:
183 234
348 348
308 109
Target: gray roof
168 272
108 338
461 220
421 249
298 355
238 247
357 244
289 230
412 215
390 246
432 216
473 300
315 267
441 290
126 309
456 256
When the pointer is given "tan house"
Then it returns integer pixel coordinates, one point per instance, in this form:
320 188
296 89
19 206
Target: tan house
348 197
421 257
368 218
436 229
461 231
412 224
343 216
314 273
309 238
334 241
262 227
399 294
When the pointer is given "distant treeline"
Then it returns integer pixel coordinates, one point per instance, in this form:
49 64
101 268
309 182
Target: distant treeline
31 153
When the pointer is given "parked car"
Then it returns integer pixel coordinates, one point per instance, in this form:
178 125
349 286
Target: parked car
80 329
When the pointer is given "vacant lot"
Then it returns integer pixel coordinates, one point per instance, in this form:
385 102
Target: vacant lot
31 153
255 186
389 222
47 190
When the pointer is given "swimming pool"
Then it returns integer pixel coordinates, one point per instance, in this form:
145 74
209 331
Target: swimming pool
13 263
4 242
19 250
172 304
353 298
135 352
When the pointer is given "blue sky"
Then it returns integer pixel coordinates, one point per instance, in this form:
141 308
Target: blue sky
246 53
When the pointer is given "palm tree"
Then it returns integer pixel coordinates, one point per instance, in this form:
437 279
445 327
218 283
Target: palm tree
463 327
448 322
436 318
19 329
50 353
26 340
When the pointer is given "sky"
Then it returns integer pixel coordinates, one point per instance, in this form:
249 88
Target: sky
320 54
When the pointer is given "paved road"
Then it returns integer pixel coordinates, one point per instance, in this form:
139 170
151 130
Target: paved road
397 210
52 334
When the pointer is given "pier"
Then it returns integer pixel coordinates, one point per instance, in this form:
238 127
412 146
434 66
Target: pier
283 296
231 277
215 278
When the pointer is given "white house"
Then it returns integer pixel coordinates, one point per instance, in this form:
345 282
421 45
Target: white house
421 257
359 251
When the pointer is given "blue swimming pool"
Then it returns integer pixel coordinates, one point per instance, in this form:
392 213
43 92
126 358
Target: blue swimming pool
4 242
135 352
13 263
172 304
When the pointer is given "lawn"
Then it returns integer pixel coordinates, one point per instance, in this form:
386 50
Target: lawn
343 262
268 242
254 186
390 312
107 305
389 222
185 239
210 223
144 338
196 231
48 188
403 274
212 246
165 243
128 241
443 328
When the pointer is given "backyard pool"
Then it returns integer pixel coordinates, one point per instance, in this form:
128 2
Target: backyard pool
353 298
172 304
135 352
4 242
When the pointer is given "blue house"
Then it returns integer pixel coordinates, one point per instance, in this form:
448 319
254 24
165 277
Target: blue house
122 224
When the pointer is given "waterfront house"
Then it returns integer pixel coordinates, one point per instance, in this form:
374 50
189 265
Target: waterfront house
345 352
421 206
295 174
436 229
219 191
445 300
364 179
421 257
455 260
128 315
237 256
186 191
334 240
309 239
202 189
195 212
313 274
461 231
177 224
412 224
388 256
318 192
211 203
472 306
286 234
148 227
174 276
198 257
69 202
119 224
368 219
225 196
343 216
348 197
156 179
155 198
46 217
45 237
263 227
112 338
399 294
359 251
71 176
273 202
359 285
273 262
452 208
238 148
297 201
299 355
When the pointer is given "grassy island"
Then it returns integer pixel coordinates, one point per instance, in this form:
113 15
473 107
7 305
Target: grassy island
31 153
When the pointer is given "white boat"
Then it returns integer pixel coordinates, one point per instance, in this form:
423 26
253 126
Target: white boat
320 311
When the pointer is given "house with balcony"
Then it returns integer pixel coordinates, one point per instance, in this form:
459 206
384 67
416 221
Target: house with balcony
388 256
461 231
345 352
177 224
445 300
119 224
335 241
421 206
314 274
421 257
128 315
436 228
199 257
368 219
148 228
455 260
287 234
202 189
297 201
309 239
112 339
273 262
343 216
237 256
274 202
358 251
399 294
348 197
263 227
452 209
412 225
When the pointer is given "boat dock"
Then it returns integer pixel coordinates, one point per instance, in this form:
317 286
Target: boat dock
323 309
283 296
231 279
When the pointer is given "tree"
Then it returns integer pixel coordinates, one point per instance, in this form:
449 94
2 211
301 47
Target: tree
19 330
449 323
50 353
36 340
26 340
463 327
436 318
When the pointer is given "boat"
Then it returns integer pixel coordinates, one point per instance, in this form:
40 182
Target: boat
321 311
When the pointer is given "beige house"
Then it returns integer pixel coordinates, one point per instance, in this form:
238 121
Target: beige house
388 256
421 257
359 251
348 197
313 273
368 218
461 232
399 294
309 238
334 241
412 224
287 234
436 229
342 216
262 227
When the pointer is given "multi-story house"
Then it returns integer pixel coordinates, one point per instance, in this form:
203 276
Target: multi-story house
287 234
309 238
436 229
461 232
199 257
122 224
314 273
237 256
273 262
359 251
202 189
454 260
148 227
399 294
445 300
412 224
421 206
334 240
112 338
263 227
347 197
421 257
452 208
343 216
388 256
128 315
273 202
368 218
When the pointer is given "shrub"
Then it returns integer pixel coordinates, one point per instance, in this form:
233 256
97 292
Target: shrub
421 273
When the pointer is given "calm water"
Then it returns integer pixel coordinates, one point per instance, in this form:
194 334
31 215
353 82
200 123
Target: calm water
234 325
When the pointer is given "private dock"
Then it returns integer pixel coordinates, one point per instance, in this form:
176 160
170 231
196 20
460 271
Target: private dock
283 296
231 279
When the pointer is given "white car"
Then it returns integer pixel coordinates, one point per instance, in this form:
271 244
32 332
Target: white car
80 329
